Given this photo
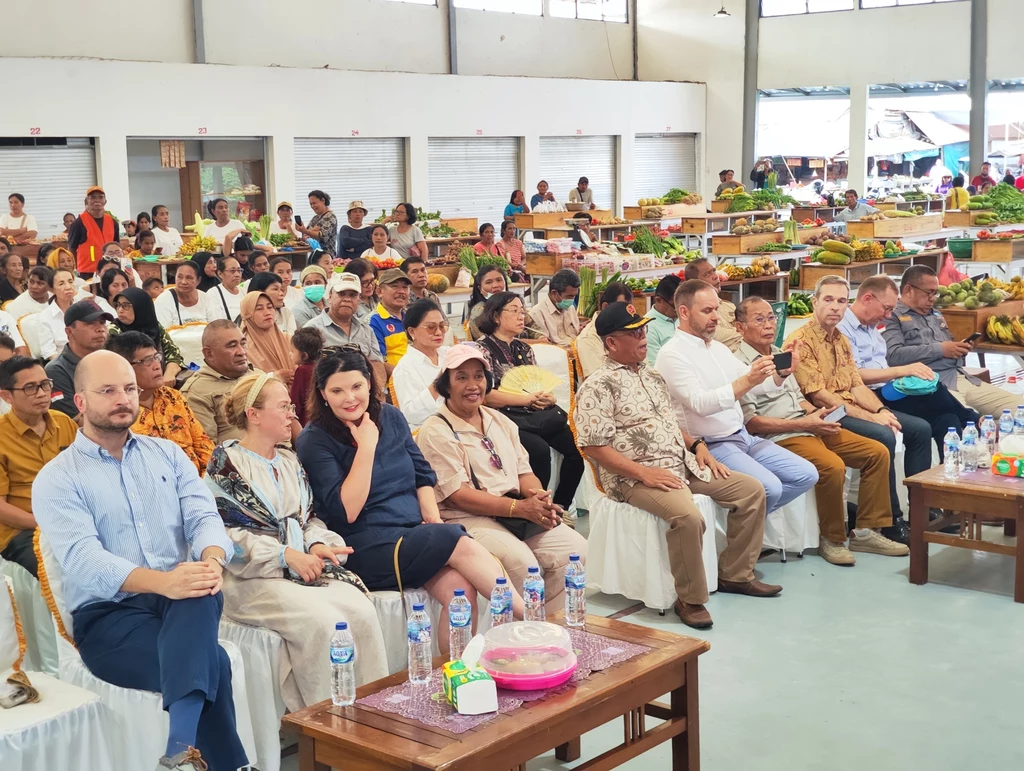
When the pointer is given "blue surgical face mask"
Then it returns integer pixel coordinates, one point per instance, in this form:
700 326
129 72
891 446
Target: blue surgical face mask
314 292
488 295
564 304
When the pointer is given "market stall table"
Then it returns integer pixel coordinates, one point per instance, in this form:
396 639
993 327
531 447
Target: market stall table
704 225
806 212
977 496
855 272
360 738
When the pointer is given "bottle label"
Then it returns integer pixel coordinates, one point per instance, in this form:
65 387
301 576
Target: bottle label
533 595
419 633
345 655
575 582
500 605
459 618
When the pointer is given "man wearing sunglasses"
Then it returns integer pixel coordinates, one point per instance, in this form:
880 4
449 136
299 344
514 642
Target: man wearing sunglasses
917 332
31 434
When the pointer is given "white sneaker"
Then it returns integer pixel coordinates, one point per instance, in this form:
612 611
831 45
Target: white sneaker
836 553
873 542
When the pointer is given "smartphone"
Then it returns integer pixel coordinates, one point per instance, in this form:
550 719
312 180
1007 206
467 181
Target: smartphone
836 415
297 219
783 361
971 340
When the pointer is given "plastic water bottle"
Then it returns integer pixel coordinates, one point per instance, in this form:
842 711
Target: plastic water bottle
420 664
1005 424
533 594
1018 421
343 666
987 443
501 602
951 462
969 448
460 623
575 592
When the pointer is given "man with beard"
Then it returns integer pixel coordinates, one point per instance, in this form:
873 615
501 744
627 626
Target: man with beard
142 550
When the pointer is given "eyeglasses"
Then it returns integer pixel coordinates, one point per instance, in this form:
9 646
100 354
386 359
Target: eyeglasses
148 360
760 321
111 391
367 283
231 270
636 334
514 311
929 293
434 327
31 389
887 308
495 458
125 306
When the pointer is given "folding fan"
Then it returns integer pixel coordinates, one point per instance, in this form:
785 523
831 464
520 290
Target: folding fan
529 379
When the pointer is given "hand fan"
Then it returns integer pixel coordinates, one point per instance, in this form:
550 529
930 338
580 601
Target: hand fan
529 379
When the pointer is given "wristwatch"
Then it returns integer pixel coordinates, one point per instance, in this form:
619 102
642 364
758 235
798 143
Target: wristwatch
696 444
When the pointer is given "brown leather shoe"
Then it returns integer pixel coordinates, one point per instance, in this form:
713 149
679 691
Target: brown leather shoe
696 616
750 588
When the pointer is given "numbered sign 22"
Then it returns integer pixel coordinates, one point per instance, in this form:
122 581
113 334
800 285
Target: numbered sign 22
35 131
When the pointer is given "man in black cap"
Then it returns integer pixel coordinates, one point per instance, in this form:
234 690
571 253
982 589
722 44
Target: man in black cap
86 326
626 425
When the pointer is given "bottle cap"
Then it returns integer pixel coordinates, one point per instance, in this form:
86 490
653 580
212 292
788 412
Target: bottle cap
460 592
574 558
341 626
533 569
501 581
417 606
951 428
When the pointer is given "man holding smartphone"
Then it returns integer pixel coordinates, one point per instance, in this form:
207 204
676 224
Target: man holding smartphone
788 419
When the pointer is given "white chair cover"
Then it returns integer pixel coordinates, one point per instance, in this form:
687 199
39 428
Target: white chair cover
628 554
141 725
189 339
30 327
556 360
261 651
35 618
67 729
792 528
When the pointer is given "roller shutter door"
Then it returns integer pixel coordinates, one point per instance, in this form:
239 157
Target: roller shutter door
662 162
53 179
472 177
371 170
563 160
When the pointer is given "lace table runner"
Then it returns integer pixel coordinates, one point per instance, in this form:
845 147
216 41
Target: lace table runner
426 703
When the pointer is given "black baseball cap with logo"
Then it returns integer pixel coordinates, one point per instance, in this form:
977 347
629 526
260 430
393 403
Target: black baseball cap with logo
86 310
618 317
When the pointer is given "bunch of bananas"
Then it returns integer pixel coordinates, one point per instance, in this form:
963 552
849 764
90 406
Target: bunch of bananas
734 272
1007 330
1015 287
200 244
865 251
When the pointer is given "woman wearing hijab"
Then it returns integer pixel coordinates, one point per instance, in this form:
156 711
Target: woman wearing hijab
272 284
207 262
269 348
136 313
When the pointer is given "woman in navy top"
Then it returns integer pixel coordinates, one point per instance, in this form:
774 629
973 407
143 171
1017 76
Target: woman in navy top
372 485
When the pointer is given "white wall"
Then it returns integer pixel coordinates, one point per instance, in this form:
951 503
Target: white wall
864 47
434 105
1004 46
141 30
681 41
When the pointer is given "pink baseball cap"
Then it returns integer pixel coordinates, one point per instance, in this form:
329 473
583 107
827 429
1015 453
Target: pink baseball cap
459 354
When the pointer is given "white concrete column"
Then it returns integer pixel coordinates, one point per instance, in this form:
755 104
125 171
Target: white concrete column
281 171
417 173
112 172
858 153
625 195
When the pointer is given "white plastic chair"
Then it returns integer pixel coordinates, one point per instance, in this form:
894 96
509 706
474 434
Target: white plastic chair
141 725
31 328
189 339
68 728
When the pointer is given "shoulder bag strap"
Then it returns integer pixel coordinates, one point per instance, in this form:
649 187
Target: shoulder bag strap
177 305
472 474
224 302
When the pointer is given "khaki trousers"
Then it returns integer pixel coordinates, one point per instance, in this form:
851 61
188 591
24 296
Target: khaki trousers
985 398
742 495
831 455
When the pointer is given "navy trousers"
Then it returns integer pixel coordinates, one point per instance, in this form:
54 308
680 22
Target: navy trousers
150 643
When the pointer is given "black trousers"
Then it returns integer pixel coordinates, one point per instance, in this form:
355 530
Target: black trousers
20 550
571 472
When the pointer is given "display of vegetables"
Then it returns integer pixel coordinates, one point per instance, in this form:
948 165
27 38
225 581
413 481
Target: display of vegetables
799 305
265 222
589 307
773 248
673 196
438 283
646 242
200 244
1007 203
969 295
280 239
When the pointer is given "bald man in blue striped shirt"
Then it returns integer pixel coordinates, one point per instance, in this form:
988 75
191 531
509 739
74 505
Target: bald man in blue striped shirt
142 549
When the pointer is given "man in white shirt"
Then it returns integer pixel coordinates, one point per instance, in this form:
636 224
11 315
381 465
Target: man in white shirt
706 382
854 209
224 301
18 226
35 298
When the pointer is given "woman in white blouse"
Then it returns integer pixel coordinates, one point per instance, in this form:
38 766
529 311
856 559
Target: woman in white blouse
53 334
414 375
168 239
224 301
223 230
183 303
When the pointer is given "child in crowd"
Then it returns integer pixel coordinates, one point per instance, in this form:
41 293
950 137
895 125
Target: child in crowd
307 345
145 244
381 237
154 286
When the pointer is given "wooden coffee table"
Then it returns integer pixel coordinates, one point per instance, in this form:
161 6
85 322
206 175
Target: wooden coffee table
360 738
979 496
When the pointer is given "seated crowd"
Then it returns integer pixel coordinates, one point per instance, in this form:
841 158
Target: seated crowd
334 441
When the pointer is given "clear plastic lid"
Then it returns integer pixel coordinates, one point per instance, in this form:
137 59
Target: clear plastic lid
527 648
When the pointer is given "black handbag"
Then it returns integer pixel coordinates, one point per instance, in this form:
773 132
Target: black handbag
520 528
545 423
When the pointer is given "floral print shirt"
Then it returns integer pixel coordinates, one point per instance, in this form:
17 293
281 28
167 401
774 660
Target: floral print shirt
825 364
171 418
629 410
328 224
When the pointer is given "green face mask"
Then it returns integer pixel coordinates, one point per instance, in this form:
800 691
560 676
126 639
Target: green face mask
565 304
314 292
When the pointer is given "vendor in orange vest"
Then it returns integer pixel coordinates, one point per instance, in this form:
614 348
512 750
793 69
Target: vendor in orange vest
93 228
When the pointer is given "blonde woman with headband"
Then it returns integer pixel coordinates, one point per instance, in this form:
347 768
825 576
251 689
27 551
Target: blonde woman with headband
287 573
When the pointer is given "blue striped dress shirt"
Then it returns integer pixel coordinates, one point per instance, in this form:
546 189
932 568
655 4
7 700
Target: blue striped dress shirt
104 517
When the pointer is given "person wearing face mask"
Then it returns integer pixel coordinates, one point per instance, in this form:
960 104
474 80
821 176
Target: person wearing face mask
313 282
272 285
386 321
555 315
224 301
184 303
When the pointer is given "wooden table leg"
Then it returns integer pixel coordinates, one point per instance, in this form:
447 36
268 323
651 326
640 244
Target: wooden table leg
307 756
569 751
1018 584
686 746
918 546
1010 528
